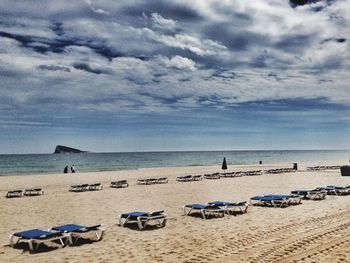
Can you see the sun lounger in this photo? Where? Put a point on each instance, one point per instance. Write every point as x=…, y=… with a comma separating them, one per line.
x=252, y=173
x=148, y=181
x=334, y=190
x=143, y=218
x=119, y=184
x=14, y=193
x=79, y=231
x=162, y=180
x=142, y=181
x=186, y=178
x=271, y=200
x=232, y=208
x=292, y=198
x=340, y=190
x=197, y=178
x=33, y=192
x=95, y=187
x=35, y=237
x=310, y=194
x=212, y=176
x=79, y=188
x=204, y=210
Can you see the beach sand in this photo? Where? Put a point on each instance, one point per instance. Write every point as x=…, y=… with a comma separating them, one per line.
x=315, y=231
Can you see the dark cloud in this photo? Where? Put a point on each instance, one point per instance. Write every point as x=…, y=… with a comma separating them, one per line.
x=294, y=43
x=234, y=38
x=88, y=68
x=58, y=28
x=338, y=40
x=54, y=68
x=169, y=9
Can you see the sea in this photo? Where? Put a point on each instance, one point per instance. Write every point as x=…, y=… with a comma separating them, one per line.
x=26, y=164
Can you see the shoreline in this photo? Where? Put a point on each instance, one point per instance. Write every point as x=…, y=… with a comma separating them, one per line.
x=266, y=165
x=261, y=234
x=102, y=162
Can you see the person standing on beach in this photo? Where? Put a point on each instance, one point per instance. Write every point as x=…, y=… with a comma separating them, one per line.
x=72, y=169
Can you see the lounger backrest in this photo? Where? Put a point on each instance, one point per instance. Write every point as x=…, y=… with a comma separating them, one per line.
x=157, y=213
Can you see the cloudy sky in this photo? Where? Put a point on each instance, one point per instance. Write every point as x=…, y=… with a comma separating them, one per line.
x=146, y=75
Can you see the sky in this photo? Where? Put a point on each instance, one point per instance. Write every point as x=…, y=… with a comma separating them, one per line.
x=172, y=75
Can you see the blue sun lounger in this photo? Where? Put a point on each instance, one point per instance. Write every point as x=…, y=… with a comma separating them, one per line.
x=143, y=218
x=204, y=210
x=35, y=237
x=271, y=200
x=310, y=194
x=293, y=199
x=232, y=207
x=340, y=190
x=79, y=231
x=334, y=190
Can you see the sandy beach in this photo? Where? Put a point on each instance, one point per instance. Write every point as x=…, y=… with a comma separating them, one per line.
x=315, y=231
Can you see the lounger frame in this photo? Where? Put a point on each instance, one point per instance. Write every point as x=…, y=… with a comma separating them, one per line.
x=205, y=212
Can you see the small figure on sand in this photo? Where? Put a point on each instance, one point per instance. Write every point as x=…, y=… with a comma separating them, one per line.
x=65, y=170
x=72, y=169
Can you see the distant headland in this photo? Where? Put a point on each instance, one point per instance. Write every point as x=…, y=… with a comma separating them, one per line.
x=65, y=149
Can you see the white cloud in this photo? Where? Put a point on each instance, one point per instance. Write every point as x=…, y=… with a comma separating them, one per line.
x=162, y=23
x=178, y=62
x=96, y=10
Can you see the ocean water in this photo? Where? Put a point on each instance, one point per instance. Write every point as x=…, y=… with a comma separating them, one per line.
x=90, y=162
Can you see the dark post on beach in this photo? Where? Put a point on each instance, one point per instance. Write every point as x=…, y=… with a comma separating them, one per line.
x=295, y=166
x=224, y=165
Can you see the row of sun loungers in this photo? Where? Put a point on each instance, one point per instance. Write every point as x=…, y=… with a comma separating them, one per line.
x=232, y=174
x=189, y=178
x=329, y=167
x=25, y=192
x=69, y=233
x=149, y=181
x=85, y=187
x=295, y=196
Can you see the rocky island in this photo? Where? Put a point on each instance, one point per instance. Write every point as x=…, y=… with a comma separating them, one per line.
x=65, y=149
